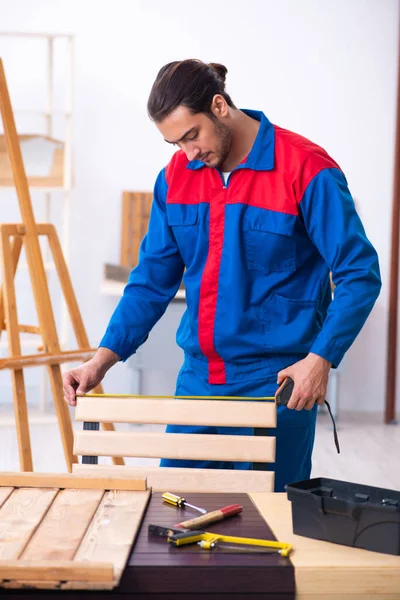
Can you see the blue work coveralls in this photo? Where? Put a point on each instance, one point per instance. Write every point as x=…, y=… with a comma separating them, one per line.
x=255, y=254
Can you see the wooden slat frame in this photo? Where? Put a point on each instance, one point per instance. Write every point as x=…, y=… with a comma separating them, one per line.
x=184, y=412
x=185, y=481
x=241, y=448
x=224, y=412
x=70, y=539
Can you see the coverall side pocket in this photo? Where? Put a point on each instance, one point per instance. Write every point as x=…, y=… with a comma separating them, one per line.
x=290, y=325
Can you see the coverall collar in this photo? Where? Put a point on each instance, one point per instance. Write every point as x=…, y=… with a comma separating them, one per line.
x=261, y=156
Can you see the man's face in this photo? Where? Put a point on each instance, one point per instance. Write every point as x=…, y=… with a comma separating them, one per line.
x=200, y=136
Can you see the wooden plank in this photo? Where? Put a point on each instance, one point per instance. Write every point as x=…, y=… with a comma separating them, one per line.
x=46, y=358
x=137, y=227
x=14, y=345
x=21, y=417
x=342, y=570
x=187, y=481
x=29, y=329
x=15, y=584
x=136, y=208
x=64, y=526
x=56, y=570
x=5, y=492
x=70, y=481
x=241, y=448
x=19, y=518
x=184, y=412
x=53, y=584
x=126, y=230
x=349, y=580
x=16, y=248
x=114, y=529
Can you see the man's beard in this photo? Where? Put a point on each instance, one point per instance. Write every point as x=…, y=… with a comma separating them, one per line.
x=224, y=137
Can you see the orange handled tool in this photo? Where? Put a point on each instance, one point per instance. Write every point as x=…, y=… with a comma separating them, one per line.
x=212, y=517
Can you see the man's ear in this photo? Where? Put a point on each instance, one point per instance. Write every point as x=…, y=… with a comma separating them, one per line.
x=219, y=106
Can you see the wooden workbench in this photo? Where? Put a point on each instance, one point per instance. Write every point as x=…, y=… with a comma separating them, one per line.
x=325, y=571
x=316, y=570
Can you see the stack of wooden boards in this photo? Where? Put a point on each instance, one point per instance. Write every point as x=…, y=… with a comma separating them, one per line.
x=67, y=532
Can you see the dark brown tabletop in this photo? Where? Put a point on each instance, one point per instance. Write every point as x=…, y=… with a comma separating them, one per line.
x=157, y=570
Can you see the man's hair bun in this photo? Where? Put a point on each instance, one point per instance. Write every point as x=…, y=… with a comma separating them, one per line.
x=220, y=69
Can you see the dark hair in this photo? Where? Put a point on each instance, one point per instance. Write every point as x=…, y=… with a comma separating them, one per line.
x=189, y=83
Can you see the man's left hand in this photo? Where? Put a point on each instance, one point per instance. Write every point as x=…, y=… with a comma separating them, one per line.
x=310, y=377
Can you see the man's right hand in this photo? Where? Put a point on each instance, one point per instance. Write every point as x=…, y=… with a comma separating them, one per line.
x=84, y=378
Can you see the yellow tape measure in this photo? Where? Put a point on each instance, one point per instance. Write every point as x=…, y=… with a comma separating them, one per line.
x=257, y=398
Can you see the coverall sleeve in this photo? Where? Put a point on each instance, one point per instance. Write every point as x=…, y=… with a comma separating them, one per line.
x=152, y=284
x=335, y=228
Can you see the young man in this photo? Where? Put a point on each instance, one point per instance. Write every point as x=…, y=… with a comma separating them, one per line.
x=255, y=218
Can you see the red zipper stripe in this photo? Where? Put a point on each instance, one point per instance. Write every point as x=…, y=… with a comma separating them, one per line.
x=209, y=288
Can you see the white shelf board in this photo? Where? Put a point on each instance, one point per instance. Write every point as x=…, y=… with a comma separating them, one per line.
x=42, y=113
x=36, y=188
x=34, y=34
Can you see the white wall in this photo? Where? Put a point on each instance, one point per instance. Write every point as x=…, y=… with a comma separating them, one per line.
x=326, y=69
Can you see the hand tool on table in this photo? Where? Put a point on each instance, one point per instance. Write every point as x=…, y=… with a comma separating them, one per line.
x=212, y=517
x=180, y=502
x=283, y=396
x=162, y=531
x=208, y=541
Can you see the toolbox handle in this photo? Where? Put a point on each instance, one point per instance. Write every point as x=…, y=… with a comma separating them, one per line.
x=334, y=506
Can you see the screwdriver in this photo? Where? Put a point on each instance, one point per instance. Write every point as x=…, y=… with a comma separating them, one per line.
x=180, y=502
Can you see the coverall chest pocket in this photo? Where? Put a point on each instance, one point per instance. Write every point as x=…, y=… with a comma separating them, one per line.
x=269, y=245
x=184, y=221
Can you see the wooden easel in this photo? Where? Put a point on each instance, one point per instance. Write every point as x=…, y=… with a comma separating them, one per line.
x=27, y=234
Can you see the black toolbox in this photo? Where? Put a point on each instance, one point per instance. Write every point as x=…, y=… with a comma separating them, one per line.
x=346, y=513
